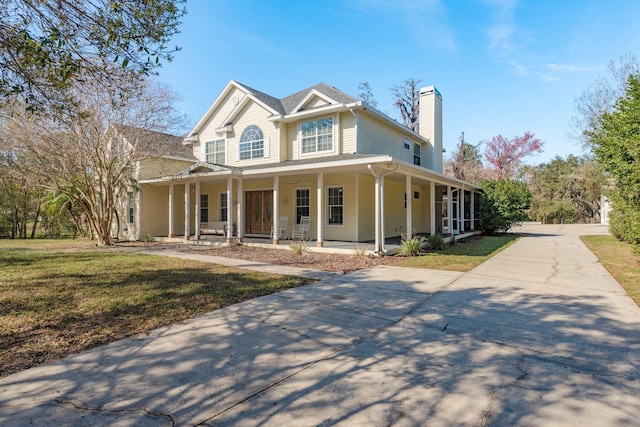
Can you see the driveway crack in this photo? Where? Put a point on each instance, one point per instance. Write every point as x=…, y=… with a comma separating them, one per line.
x=105, y=410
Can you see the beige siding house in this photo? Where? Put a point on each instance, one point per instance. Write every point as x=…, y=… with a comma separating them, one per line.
x=356, y=173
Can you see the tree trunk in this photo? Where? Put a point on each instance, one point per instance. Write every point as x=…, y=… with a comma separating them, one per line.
x=35, y=221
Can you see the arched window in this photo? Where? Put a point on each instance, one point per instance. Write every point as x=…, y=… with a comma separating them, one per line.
x=251, y=143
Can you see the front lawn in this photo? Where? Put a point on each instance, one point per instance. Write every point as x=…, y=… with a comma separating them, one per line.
x=462, y=256
x=619, y=260
x=62, y=297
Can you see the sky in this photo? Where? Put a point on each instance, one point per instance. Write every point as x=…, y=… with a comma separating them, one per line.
x=502, y=66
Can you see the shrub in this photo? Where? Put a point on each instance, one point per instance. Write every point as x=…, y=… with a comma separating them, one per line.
x=435, y=242
x=299, y=247
x=148, y=238
x=411, y=247
x=504, y=204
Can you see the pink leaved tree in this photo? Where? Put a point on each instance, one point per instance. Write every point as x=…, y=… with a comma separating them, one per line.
x=505, y=156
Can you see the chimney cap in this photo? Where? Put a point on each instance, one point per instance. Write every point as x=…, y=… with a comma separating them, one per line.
x=427, y=90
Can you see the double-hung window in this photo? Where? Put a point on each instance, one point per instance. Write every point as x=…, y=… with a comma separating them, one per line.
x=416, y=154
x=251, y=143
x=204, y=208
x=317, y=135
x=335, y=205
x=223, y=207
x=215, y=152
x=302, y=203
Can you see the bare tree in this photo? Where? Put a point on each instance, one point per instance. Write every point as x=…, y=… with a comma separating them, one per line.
x=89, y=154
x=366, y=94
x=406, y=98
x=601, y=96
x=466, y=163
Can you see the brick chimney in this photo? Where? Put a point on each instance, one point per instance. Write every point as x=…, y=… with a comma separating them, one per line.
x=431, y=124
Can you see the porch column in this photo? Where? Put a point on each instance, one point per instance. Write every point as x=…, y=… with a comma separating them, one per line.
x=240, y=213
x=379, y=245
x=320, y=219
x=432, y=207
x=449, y=210
x=409, y=196
x=472, y=210
x=382, y=229
x=187, y=214
x=461, y=210
x=197, y=207
x=229, y=210
x=276, y=211
x=170, y=211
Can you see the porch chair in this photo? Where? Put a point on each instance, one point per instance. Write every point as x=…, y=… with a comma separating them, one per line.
x=282, y=228
x=301, y=231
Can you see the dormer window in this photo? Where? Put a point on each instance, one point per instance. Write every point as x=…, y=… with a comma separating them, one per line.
x=251, y=143
x=317, y=135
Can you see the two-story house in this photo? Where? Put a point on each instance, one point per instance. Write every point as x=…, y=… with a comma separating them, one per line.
x=356, y=173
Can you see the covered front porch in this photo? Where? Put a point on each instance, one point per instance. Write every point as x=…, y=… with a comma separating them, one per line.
x=350, y=203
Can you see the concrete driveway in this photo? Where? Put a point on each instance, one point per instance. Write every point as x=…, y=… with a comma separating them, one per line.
x=538, y=335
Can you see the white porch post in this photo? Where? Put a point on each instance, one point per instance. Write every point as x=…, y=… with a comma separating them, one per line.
x=187, y=214
x=170, y=211
x=461, y=210
x=320, y=218
x=382, y=233
x=197, y=208
x=409, y=197
x=449, y=210
x=276, y=210
x=472, y=210
x=240, y=213
x=377, y=214
x=229, y=210
x=432, y=207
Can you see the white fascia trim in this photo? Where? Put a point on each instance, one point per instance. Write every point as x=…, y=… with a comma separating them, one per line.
x=205, y=117
x=420, y=172
x=319, y=165
x=312, y=93
x=176, y=179
x=248, y=97
x=308, y=113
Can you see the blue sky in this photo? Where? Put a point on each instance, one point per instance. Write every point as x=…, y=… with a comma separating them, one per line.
x=502, y=66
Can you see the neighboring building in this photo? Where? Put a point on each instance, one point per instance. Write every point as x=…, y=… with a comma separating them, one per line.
x=359, y=175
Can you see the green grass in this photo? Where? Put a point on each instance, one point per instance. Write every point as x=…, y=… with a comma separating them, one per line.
x=619, y=260
x=61, y=297
x=462, y=256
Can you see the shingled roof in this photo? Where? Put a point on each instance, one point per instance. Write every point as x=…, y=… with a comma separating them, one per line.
x=287, y=104
x=156, y=144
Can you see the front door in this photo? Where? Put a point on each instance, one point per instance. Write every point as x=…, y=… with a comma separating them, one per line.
x=259, y=212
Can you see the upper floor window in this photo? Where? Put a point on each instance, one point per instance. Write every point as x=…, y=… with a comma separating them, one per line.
x=405, y=142
x=416, y=154
x=317, y=135
x=215, y=151
x=251, y=143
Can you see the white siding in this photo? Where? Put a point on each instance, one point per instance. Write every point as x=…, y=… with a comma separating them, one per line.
x=252, y=114
x=376, y=137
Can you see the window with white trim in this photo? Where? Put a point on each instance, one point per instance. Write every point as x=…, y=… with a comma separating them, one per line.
x=215, y=152
x=335, y=205
x=130, y=206
x=317, y=135
x=302, y=203
x=251, y=143
x=223, y=207
x=406, y=144
x=416, y=154
x=204, y=208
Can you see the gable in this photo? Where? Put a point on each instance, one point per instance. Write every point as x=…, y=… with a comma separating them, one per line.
x=315, y=102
